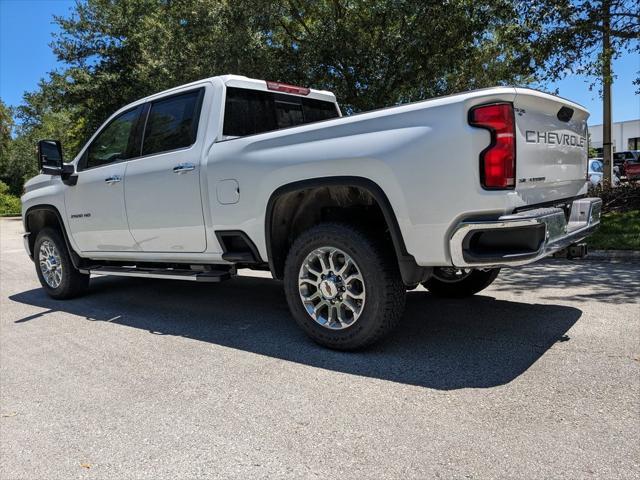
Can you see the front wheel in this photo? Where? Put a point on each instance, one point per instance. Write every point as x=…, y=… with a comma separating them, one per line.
x=451, y=282
x=343, y=286
x=54, y=267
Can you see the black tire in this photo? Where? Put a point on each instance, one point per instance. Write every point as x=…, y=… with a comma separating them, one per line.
x=385, y=292
x=472, y=283
x=72, y=282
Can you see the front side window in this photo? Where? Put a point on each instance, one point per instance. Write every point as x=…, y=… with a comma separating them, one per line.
x=113, y=142
x=172, y=123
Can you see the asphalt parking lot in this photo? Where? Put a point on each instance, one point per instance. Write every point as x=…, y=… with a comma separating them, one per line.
x=538, y=376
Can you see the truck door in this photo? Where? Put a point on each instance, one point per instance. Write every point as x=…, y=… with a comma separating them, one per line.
x=95, y=204
x=162, y=187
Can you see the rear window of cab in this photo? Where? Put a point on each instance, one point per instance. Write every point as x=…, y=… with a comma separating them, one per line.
x=248, y=112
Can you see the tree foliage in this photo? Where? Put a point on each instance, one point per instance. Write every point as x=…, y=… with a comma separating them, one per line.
x=567, y=34
x=38, y=119
x=371, y=53
x=377, y=53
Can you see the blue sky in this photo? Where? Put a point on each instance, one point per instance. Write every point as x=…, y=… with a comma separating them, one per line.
x=25, y=57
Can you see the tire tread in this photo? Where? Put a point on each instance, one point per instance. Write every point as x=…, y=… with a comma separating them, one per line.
x=74, y=283
x=359, y=239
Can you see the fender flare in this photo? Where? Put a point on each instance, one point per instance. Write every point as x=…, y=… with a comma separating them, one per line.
x=411, y=272
x=75, y=258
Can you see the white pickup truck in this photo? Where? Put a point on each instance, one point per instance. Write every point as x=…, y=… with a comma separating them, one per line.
x=230, y=172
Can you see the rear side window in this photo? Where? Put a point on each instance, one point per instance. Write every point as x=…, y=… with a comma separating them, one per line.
x=172, y=123
x=248, y=112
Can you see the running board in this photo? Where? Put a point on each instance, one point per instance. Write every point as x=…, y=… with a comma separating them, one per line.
x=211, y=276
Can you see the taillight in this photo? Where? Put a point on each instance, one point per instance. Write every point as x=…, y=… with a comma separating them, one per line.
x=498, y=160
x=286, y=88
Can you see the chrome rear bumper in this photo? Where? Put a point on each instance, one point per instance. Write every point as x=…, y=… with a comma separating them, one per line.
x=524, y=237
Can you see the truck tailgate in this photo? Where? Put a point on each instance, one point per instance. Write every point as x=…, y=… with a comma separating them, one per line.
x=551, y=147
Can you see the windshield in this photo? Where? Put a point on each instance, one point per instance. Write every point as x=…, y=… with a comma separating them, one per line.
x=596, y=166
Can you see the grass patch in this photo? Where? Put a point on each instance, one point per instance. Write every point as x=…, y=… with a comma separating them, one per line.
x=618, y=231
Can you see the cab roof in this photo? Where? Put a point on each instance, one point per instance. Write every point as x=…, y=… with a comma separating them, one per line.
x=240, y=81
x=255, y=84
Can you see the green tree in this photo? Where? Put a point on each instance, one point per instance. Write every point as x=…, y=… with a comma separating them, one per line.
x=9, y=204
x=121, y=50
x=584, y=37
x=372, y=53
x=38, y=120
x=6, y=145
x=376, y=53
x=568, y=35
x=6, y=127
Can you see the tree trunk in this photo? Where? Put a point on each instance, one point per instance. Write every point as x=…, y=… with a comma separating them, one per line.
x=607, y=147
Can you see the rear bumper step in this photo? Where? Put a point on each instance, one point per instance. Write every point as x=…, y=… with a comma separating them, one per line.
x=211, y=276
x=524, y=237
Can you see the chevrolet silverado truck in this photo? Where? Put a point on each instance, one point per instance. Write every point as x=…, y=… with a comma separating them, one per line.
x=349, y=211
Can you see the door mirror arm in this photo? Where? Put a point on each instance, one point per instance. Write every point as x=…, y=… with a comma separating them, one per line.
x=68, y=174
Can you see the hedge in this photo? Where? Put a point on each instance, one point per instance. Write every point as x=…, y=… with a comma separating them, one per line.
x=623, y=198
x=9, y=205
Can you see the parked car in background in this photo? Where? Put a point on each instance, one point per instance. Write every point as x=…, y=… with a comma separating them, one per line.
x=619, y=159
x=596, y=171
x=632, y=170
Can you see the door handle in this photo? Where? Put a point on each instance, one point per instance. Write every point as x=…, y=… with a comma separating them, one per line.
x=183, y=167
x=113, y=179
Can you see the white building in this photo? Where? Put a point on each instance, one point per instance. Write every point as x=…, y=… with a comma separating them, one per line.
x=624, y=136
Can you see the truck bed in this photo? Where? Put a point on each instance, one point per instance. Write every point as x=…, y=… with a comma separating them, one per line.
x=424, y=156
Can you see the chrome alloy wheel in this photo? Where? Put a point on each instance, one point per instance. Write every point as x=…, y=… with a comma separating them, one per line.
x=50, y=264
x=451, y=274
x=331, y=288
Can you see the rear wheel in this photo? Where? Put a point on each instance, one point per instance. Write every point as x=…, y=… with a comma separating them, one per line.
x=454, y=282
x=54, y=267
x=343, y=287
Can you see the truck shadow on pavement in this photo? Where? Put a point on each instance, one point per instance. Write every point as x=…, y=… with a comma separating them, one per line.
x=478, y=342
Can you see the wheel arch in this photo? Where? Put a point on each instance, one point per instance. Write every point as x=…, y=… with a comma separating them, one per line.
x=42, y=216
x=411, y=272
